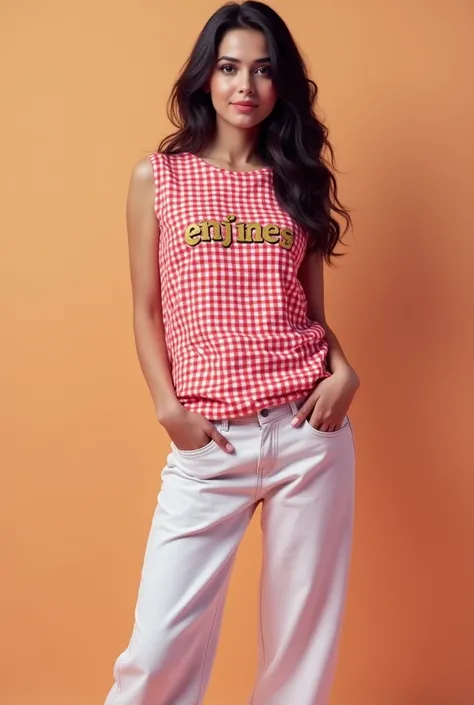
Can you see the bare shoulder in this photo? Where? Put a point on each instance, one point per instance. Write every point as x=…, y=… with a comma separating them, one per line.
x=141, y=217
x=141, y=189
x=142, y=172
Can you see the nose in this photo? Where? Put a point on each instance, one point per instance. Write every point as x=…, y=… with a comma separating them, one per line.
x=246, y=82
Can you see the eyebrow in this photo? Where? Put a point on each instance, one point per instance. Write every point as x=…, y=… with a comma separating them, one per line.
x=264, y=59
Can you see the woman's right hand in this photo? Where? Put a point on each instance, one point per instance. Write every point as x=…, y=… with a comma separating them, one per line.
x=191, y=431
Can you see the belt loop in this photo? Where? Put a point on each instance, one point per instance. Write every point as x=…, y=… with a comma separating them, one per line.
x=294, y=407
x=224, y=425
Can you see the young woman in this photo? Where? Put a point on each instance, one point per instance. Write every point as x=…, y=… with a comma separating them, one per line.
x=229, y=225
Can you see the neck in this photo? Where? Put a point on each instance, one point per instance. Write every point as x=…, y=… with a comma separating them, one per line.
x=233, y=146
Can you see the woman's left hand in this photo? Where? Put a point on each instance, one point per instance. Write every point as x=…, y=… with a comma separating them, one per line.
x=329, y=402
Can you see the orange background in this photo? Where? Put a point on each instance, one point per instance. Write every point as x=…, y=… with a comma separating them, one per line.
x=83, y=99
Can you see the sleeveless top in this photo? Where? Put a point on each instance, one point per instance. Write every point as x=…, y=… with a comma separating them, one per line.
x=234, y=312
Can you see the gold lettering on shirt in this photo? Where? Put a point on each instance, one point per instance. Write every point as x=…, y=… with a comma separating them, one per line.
x=229, y=231
x=193, y=234
x=206, y=226
x=271, y=233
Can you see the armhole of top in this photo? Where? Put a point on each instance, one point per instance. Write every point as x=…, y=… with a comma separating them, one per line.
x=156, y=162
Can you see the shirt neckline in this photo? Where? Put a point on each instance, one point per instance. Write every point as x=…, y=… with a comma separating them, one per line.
x=229, y=171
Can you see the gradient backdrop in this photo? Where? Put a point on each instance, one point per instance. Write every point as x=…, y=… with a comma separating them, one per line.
x=84, y=96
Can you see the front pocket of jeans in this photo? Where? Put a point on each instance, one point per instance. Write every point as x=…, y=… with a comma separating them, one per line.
x=199, y=451
x=327, y=434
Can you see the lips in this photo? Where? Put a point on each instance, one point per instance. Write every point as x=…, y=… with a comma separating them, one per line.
x=246, y=104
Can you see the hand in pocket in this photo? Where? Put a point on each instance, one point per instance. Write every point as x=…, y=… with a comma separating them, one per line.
x=190, y=431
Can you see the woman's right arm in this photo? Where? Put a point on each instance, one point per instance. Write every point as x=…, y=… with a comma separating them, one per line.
x=143, y=237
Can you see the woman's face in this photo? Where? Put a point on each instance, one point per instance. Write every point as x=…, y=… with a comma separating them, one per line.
x=242, y=73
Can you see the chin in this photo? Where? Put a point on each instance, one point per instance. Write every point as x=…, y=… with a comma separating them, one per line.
x=244, y=122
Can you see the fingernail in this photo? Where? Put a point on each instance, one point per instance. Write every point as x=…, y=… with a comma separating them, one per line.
x=295, y=421
x=229, y=447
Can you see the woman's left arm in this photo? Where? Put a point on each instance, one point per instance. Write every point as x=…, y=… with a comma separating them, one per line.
x=331, y=398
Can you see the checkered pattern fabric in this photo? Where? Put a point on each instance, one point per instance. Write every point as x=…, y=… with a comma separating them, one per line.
x=234, y=311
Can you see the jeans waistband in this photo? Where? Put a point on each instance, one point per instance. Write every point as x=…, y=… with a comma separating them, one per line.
x=265, y=416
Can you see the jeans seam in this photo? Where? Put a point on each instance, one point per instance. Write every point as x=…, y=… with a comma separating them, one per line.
x=211, y=631
x=262, y=640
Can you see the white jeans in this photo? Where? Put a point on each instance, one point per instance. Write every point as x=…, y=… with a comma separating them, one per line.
x=305, y=481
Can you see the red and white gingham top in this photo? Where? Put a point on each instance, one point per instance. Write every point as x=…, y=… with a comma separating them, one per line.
x=234, y=311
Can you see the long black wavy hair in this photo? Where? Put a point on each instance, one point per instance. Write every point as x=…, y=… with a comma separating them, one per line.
x=291, y=140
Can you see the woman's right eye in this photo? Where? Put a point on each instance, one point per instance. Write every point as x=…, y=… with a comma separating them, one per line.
x=227, y=66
